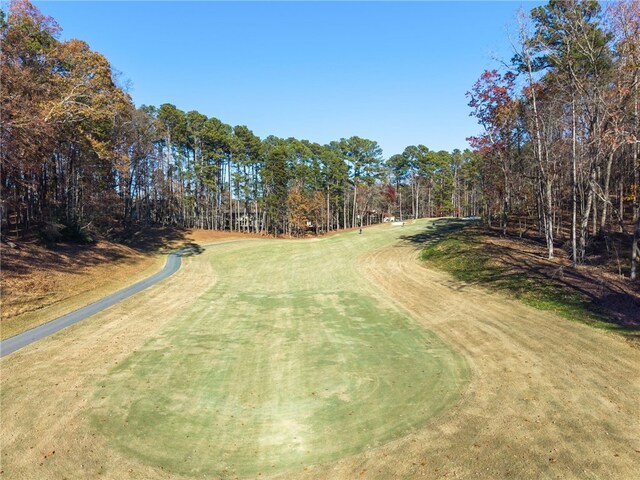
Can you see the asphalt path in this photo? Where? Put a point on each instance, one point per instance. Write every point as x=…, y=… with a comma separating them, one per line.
x=174, y=260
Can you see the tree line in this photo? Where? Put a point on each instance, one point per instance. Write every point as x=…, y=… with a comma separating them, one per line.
x=560, y=141
x=558, y=152
x=79, y=157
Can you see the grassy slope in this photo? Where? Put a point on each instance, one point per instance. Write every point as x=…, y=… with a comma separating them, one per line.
x=66, y=285
x=285, y=362
x=464, y=254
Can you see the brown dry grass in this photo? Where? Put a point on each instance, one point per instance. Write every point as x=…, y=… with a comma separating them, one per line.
x=40, y=284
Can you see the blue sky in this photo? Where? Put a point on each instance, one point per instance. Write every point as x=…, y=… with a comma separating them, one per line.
x=393, y=72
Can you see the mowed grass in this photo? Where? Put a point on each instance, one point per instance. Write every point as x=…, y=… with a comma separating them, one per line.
x=291, y=359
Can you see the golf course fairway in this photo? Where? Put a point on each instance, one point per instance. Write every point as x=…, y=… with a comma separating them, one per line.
x=290, y=359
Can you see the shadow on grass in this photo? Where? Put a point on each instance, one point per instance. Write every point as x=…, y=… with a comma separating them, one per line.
x=73, y=258
x=190, y=249
x=461, y=248
x=154, y=239
x=435, y=231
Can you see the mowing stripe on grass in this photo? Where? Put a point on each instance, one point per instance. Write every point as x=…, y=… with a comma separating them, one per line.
x=290, y=359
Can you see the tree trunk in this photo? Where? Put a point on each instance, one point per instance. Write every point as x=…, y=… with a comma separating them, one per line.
x=635, y=165
x=574, y=186
x=355, y=196
x=584, y=226
x=549, y=226
x=635, y=246
x=605, y=204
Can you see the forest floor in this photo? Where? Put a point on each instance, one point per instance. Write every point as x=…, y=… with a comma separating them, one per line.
x=339, y=357
x=42, y=283
x=592, y=293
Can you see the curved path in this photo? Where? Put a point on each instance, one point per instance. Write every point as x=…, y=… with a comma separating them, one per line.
x=174, y=260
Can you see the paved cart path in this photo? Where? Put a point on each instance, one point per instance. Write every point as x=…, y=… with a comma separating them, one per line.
x=174, y=260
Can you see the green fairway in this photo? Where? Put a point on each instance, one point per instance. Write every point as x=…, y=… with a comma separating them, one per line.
x=290, y=359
